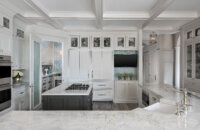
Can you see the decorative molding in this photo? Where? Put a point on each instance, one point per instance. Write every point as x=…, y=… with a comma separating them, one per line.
x=12, y=10
x=157, y=9
x=177, y=15
x=73, y=15
x=98, y=10
x=43, y=12
x=125, y=16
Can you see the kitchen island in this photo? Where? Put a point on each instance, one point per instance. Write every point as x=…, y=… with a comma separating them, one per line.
x=137, y=119
x=68, y=97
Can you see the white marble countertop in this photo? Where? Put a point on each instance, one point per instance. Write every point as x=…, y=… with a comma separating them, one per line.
x=53, y=73
x=137, y=119
x=60, y=90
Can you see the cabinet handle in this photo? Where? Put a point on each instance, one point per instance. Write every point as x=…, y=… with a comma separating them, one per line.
x=154, y=99
x=21, y=92
x=101, y=94
x=101, y=85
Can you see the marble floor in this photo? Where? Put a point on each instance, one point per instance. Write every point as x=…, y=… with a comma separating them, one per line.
x=114, y=106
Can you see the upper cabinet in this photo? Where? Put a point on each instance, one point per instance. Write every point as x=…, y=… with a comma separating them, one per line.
x=103, y=41
x=192, y=59
x=74, y=42
x=107, y=42
x=96, y=42
x=5, y=34
x=125, y=43
x=5, y=44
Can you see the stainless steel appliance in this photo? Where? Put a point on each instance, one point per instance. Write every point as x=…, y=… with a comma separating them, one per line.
x=5, y=82
x=78, y=86
x=145, y=98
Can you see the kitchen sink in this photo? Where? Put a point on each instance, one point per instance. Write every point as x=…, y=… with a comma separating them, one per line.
x=162, y=108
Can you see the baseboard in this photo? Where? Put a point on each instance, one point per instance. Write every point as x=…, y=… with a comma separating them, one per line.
x=124, y=101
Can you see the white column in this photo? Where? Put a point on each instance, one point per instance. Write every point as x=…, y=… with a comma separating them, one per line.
x=177, y=64
x=177, y=68
x=140, y=65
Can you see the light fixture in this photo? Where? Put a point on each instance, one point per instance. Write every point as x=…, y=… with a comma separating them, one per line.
x=153, y=38
x=60, y=52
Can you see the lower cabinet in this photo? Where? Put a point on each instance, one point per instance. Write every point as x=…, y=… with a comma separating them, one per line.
x=125, y=92
x=20, y=97
x=67, y=102
x=153, y=98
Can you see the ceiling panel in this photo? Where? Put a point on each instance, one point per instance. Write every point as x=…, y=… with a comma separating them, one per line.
x=20, y=4
x=77, y=24
x=167, y=24
x=128, y=5
x=123, y=22
x=67, y=5
x=184, y=5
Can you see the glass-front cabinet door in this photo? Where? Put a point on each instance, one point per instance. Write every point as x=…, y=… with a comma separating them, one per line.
x=189, y=61
x=197, y=61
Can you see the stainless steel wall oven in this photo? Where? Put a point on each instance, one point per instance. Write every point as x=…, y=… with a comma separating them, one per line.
x=5, y=82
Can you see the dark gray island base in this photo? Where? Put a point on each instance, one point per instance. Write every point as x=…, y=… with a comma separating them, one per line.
x=67, y=102
x=60, y=99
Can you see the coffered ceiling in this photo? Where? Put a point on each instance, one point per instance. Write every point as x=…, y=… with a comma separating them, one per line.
x=165, y=15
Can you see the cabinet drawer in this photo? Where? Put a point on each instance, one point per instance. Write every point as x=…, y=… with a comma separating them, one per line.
x=102, y=95
x=103, y=86
x=45, y=80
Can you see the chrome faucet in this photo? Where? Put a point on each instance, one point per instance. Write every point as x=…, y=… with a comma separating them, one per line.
x=185, y=104
x=178, y=113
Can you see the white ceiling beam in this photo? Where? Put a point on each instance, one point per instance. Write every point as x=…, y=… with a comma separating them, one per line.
x=34, y=5
x=125, y=16
x=98, y=10
x=157, y=9
x=73, y=15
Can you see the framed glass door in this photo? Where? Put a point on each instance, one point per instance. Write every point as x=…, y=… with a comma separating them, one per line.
x=197, y=61
x=35, y=72
x=189, y=61
x=36, y=76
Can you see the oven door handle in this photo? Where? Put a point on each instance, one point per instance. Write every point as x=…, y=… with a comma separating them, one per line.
x=5, y=87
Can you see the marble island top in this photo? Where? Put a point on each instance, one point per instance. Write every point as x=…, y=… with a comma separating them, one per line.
x=60, y=90
x=137, y=119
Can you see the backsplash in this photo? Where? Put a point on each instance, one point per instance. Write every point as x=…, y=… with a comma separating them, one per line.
x=125, y=73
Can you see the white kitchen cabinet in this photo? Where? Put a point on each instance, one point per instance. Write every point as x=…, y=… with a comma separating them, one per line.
x=20, y=97
x=151, y=67
x=85, y=64
x=74, y=64
x=191, y=60
x=18, y=53
x=96, y=65
x=125, y=92
x=107, y=64
x=102, y=64
x=103, y=91
x=5, y=44
x=158, y=65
